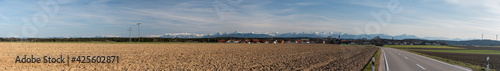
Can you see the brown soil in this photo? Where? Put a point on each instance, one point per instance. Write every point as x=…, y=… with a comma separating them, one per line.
x=191, y=56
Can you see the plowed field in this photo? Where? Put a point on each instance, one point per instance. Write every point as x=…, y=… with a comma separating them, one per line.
x=190, y=56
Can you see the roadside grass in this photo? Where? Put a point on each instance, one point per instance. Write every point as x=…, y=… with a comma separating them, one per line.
x=377, y=55
x=465, y=51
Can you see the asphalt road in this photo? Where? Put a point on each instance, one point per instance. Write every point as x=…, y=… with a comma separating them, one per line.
x=399, y=60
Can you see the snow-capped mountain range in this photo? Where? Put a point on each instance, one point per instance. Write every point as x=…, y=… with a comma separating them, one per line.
x=271, y=34
x=297, y=34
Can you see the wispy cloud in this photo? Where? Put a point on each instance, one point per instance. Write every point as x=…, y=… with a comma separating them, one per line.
x=429, y=18
x=304, y=4
x=489, y=8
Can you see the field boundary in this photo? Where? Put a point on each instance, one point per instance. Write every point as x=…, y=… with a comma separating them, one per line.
x=367, y=65
x=385, y=60
x=140, y=57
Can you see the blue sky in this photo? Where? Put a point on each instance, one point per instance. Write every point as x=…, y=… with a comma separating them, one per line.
x=423, y=18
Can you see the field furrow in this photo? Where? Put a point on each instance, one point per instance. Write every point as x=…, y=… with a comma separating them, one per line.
x=191, y=56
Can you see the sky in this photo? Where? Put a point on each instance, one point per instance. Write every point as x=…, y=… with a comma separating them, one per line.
x=424, y=18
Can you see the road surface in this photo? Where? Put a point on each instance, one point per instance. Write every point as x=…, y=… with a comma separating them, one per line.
x=399, y=60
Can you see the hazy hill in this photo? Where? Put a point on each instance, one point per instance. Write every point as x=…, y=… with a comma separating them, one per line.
x=475, y=42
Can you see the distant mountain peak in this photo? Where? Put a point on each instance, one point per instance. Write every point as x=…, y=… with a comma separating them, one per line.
x=300, y=34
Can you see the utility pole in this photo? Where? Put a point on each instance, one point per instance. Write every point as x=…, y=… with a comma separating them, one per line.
x=497, y=37
x=373, y=63
x=482, y=36
x=139, y=30
x=488, y=61
x=129, y=34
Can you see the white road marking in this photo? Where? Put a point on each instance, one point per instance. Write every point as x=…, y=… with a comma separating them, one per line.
x=386, y=64
x=420, y=66
x=406, y=58
x=441, y=62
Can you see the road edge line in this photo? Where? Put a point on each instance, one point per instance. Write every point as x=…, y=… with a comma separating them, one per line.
x=465, y=69
x=385, y=58
x=420, y=66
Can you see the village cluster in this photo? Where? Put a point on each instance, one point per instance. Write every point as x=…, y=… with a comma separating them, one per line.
x=363, y=41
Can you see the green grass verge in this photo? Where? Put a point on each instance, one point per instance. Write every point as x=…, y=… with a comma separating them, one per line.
x=377, y=62
x=466, y=51
x=421, y=46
